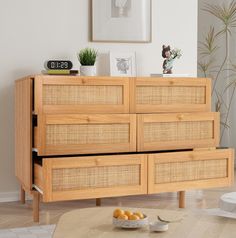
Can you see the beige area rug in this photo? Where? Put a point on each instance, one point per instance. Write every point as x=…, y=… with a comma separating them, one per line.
x=28, y=232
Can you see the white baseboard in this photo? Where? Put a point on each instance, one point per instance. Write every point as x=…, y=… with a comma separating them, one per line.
x=11, y=196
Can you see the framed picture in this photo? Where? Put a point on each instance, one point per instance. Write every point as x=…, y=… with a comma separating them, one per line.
x=122, y=64
x=121, y=20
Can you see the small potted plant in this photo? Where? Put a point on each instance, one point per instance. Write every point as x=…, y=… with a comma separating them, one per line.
x=87, y=58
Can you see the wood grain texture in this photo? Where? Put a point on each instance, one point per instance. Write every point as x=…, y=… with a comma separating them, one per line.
x=132, y=95
x=23, y=132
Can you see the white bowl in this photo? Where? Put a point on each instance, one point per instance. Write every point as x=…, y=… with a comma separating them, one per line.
x=158, y=226
x=130, y=224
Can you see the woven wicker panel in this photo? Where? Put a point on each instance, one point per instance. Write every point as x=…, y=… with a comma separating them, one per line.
x=170, y=95
x=178, y=131
x=87, y=134
x=82, y=94
x=95, y=177
x=190, y=170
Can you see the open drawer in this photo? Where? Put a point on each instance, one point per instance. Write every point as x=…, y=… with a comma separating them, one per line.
x=152, y=95
x=170, y=172
x=60, y=134
x=77, y=94
x=177, y=131
x=91, y=177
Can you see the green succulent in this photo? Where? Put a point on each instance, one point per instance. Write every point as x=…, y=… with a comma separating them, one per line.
x=87, y=56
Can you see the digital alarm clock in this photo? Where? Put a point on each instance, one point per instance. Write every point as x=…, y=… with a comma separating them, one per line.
x=59, y=64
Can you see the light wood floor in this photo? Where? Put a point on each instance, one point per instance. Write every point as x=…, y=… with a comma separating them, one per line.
x=14, y=214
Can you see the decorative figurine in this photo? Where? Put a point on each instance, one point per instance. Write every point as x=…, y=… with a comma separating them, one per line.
x=169, y=56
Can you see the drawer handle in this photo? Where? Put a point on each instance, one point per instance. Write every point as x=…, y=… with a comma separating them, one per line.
x=83, y=81
x=180, y=117
x=191, y=156
x=98, y=161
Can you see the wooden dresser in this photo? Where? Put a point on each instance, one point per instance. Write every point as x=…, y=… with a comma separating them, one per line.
x=95, y=137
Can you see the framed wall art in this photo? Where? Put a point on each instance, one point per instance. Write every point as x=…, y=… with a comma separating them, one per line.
x=122, y=64
x=121, y=20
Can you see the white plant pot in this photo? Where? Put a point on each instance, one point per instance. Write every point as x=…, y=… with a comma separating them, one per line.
x=88, y=70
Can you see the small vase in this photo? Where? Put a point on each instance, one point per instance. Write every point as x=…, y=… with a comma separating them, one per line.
x=88, y=70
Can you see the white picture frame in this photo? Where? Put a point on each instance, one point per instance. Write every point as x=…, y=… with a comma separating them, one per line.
x=122, y=64
x=121, y=20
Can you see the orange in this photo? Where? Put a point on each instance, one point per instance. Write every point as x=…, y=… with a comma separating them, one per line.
x=128, y=213
x=118, y=212
x=134, y=217
x=123, y=217
x=139, y=214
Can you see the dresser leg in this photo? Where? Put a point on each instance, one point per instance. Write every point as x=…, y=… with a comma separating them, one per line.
x=22, y=195
x=36, y=206
x=98, y=202
x=182, y=199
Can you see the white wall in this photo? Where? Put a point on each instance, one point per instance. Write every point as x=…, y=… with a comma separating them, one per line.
x=205, y=21
x=232, y=119
x=33, y=31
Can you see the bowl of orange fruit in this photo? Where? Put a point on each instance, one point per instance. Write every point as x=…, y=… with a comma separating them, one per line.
x=129, y=219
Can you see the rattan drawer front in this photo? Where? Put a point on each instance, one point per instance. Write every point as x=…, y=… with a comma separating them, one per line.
x=59, y=94
x=177, y=131
x=190, y=171
x=169, y=172
x=82, y=94
x=85, y=134
x=91, y=177
x=95, y=177
x=171, y=95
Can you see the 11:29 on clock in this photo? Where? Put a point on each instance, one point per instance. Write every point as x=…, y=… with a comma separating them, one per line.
x=59, y=64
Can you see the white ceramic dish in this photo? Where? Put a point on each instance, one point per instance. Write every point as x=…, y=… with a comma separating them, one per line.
x=130, y=224
x=158, y=226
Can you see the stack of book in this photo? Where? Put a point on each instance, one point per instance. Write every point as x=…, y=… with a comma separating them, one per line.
x=59, y=67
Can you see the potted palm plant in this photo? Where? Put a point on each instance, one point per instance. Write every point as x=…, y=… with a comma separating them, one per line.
x=87, y=58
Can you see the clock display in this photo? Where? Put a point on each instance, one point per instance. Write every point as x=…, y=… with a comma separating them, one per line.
x=59, y=64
